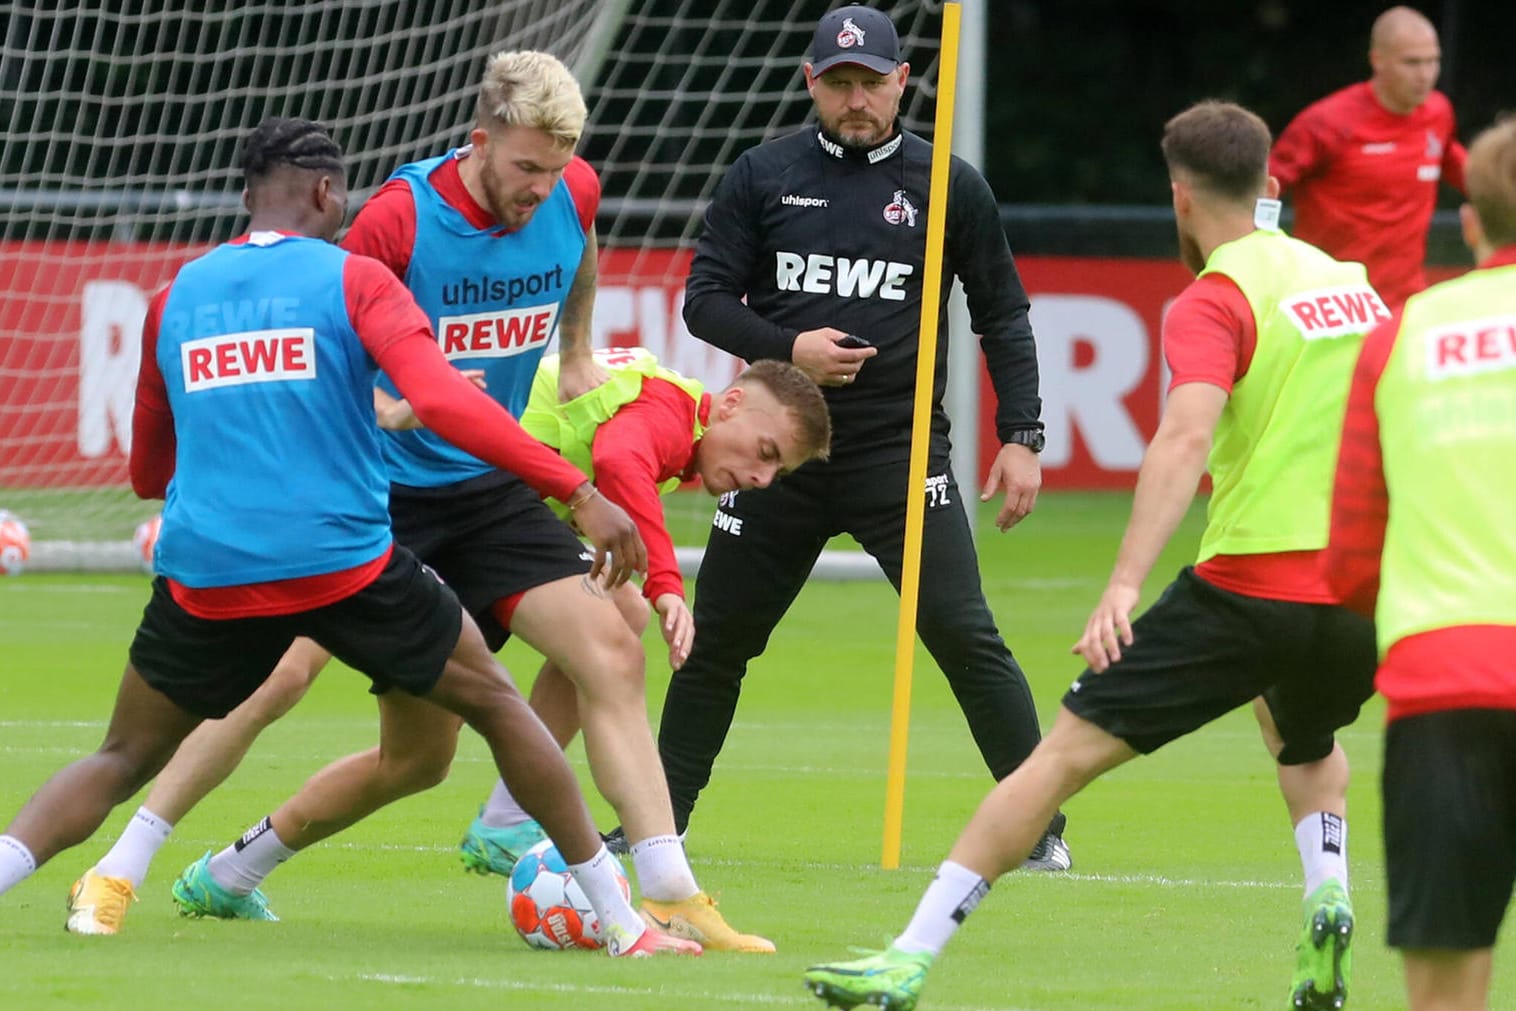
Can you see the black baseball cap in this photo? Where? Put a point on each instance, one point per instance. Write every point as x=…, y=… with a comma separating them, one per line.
x=855, y=34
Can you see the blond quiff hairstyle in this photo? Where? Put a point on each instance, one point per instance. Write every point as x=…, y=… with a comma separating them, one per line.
x=535, y=90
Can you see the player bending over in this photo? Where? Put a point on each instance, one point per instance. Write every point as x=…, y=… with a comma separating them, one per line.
x=645, y=429
x=291, y=537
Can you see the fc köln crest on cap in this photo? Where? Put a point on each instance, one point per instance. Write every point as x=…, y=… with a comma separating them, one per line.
x=850, y=35
x=900, y=210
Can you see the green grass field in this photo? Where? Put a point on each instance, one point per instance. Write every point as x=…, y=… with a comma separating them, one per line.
x=1185, y=892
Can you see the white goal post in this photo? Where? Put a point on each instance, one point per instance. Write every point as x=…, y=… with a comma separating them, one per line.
x=120, y=161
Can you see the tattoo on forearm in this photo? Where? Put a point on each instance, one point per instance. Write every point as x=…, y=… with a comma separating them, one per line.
x=574, y=329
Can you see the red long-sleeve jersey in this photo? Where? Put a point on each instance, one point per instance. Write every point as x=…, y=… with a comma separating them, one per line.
x=644, y=444
x=1363, y=181
x=397, y=335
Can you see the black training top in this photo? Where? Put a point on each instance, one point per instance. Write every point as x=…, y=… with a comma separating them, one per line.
x=813, y=235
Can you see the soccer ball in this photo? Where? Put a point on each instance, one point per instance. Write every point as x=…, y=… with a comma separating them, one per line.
x=144, y=539
x=548, y=908
x=15, y=544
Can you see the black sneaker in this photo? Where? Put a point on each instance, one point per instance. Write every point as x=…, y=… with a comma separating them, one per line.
x=615, y=841
x=1051, y=853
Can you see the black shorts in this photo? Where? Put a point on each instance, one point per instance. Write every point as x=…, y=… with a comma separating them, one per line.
x=1202, y=651
x=489, y=538
x=1449, y=787
x=399, y=630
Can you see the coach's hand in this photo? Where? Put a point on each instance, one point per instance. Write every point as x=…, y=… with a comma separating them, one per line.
x=1109, y=627
x=613, y=534
x=677, y=625
x=1017, y=471
x=818, y=355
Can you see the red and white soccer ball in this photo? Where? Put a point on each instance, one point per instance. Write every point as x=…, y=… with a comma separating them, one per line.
x=548, y=908
x=144, y=539
x=15, y=544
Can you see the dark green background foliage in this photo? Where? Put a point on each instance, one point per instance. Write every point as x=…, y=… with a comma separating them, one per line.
x=1078, y=92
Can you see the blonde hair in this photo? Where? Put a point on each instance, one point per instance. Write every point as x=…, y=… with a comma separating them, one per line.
x=532, y=89
x=1490, y=177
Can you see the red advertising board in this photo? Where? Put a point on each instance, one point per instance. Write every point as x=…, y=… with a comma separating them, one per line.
x=71, y=314
x=70, y=324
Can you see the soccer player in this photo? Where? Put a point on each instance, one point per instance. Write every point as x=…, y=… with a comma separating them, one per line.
x=1424, y=488
x=1261, y=347
x=255, y=419
x=496, y=242
x=1362, y=164
x=645, y=431
x=810, y=240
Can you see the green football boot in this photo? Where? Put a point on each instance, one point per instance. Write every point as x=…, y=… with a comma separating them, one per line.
x=1324, y=956
x=890, y=979
x=197, y=894
x=486, y=850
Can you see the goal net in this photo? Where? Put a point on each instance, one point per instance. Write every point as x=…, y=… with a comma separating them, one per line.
x=120, y=163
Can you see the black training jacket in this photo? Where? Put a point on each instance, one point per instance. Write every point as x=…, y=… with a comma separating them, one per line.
x=813, y=235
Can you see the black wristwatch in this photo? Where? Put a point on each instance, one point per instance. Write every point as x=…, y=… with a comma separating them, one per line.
x=1031, y=438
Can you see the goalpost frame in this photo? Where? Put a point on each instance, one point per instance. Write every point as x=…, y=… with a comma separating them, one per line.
x=136, y=202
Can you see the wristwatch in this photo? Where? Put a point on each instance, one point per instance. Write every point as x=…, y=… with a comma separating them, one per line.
x=1031, y=438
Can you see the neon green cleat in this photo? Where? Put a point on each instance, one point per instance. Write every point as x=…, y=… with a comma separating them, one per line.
x=197, y=894
x=486, y=850
x=889, y=979
x=1324, y=954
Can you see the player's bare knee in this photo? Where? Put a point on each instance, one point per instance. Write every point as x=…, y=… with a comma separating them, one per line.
x=487, y=702
x=607, y=662
x=413, y=769
x=127, y=765
x=424, y=773
x=612, y=678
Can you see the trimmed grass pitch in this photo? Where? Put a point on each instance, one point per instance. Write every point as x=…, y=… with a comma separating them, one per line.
x=1185, y=890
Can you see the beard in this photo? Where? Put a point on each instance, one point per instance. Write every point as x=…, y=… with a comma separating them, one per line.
x=1189, y=253
x=504, y=205
x=858, y=130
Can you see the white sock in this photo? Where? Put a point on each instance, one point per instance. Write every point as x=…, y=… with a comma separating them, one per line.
x=949, y=899
x=16, y=862
x=663, y=870
x=597, y=877
x=244, y=864
x=144, y=835
x=1322, y=838
x=501, y=810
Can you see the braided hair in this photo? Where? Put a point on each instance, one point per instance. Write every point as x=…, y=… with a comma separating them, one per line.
x=297, y=143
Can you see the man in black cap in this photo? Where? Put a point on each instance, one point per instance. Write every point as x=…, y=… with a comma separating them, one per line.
x=823, y=233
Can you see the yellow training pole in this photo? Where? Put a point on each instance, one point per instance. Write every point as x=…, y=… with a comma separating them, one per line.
x=921, y=430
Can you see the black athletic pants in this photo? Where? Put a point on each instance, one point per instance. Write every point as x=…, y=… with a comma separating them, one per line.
x=760, y=552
